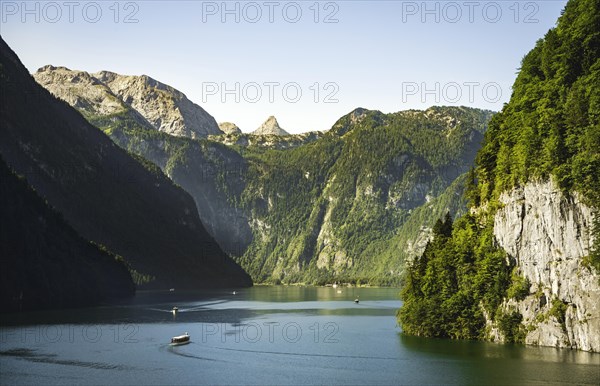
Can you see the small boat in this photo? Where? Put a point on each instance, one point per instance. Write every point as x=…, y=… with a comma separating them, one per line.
x=180, y=340
x=175, y=309
x=356, y=300
x=171, y=289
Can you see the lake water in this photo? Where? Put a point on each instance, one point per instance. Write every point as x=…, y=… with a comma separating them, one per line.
x=264, y=335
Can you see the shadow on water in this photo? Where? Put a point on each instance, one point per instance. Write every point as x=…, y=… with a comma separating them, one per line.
x=33, y=356
x=145, y=307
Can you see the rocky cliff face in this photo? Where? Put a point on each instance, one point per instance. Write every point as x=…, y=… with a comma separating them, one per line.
x=154, y=104
x=549, y=236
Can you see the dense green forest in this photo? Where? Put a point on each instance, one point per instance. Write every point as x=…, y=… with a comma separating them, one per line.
x=356, y=187
x=549, y=129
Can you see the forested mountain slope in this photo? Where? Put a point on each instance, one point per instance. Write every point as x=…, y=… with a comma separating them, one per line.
x=317, y=207
x=524, y=264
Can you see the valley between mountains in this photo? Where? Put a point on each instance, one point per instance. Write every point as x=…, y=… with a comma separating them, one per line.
x=488, y=221
x=346, y=205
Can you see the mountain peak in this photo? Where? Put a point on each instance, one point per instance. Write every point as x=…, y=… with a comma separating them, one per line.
x=49, y=67
x=270, y=127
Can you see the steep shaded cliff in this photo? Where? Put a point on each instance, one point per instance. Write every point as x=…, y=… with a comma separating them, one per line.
x=45, y=263
x=106, y=194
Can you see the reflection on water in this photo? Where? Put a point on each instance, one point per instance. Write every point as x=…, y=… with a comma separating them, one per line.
x=263, y=335
x=496, y=363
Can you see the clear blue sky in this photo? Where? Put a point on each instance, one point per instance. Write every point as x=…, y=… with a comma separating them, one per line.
x=373, y=54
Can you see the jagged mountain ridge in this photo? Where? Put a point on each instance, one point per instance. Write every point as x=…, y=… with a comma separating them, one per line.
x=157, y=105
x=106, y=194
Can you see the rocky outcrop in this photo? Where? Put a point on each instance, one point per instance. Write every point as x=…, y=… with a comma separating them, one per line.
x=79, y=89
x=162, y=107
x=229, y=128
x=270, y=127
x=549, y=236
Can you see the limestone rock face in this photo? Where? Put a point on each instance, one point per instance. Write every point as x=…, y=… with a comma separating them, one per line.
x=79, y=89
x=229, y=128
x=270, y=127
x=549, y=234
x=104, y=93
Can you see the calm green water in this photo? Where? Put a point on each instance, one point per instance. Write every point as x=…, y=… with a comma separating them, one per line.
x=264, y=335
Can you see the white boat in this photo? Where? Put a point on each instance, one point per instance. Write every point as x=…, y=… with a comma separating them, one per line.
x=180, y=340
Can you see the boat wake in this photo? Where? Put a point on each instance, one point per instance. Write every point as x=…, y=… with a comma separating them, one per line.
x=305, y=354
x=178, y=351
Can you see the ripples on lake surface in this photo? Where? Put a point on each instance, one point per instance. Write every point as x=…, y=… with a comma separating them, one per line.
x=263, y=335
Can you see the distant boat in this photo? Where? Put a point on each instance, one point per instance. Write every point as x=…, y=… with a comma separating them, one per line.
x=175, y=309
x=180, y=340
x=172, y=290
x=356, y=300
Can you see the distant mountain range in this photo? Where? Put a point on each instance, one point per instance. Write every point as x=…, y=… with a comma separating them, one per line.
x=150, y=103
x=348, y=204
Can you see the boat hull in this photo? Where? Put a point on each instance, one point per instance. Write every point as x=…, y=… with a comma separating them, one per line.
x=179, y=343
